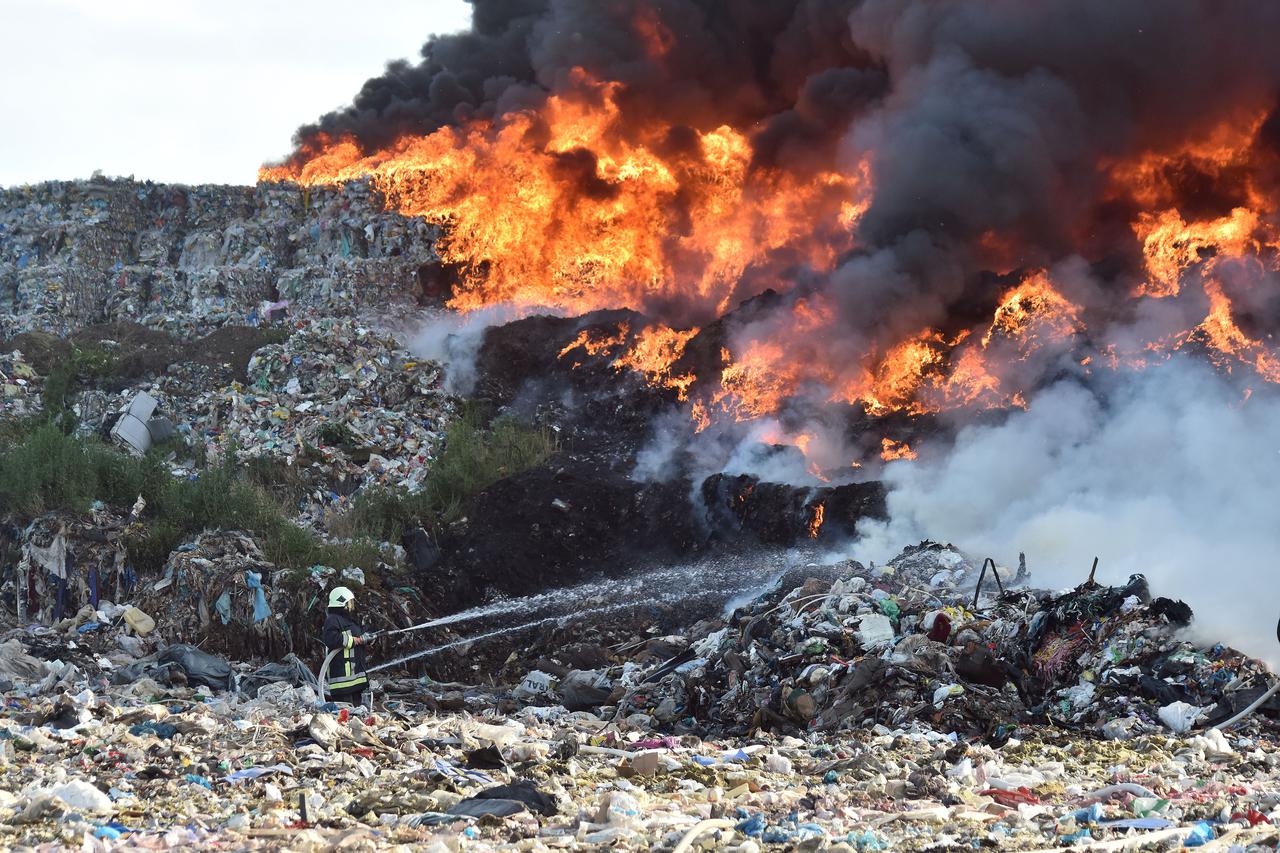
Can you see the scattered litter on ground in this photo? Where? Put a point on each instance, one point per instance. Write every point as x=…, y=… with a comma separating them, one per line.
x=1029, y=720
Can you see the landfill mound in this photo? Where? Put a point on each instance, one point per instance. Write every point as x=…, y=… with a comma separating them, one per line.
x=261, y=327
x=193, y=259
x=931, y=702
x=209, y=420
x=334, y=396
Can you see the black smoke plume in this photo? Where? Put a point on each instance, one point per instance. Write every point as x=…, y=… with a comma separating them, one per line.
x=981, y=117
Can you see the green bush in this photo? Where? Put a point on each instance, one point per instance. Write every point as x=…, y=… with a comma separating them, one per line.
x=473, y=458
x=56, y=397
x=46, y=470
x=66, y=376
x=42, y=469
x=93, y=362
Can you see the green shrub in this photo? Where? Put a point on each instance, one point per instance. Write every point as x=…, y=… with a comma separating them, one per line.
x=93, y=363
x=473, y=458
x=337, y=434
x=56, y=397
x=46, y=470
x=43, y=468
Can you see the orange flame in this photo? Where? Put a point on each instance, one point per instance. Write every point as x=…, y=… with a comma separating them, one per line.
x=815, y=523
x=651, y=353
x=891, y=450
x=927, y=372
x=1180, y=250
x=572, y=207
x=1032, y=312
x=655, y=350
x=595, y=343
x=756, y=383
x=1226, y=337
x=1171, y=246
x=577, y=206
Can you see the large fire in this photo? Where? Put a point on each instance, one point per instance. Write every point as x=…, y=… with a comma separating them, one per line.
x=651, y=352
x=576, y=206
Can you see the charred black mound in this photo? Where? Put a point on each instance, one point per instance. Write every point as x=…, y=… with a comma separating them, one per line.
x=582, y=514
x=558, y=524
x=783, y=515
x=532, y=367
x=529, y=350
x=579, y=518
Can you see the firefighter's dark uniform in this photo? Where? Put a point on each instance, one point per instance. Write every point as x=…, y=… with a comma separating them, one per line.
x=347, y=678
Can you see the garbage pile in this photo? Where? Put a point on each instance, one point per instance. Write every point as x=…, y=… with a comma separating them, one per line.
x=22, y=387
x=180, y=749
x=218, y=591
x=914, y=641
x=62, y=562
x=69, y=578
x=190, y=259
x=336, y=398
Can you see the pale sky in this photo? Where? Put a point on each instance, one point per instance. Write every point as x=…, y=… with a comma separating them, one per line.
x=187, y=91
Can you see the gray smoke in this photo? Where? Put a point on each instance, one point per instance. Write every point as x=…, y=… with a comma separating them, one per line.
x=454, y=340
x=1171, y=473
x=998, y=117
x=786, y=66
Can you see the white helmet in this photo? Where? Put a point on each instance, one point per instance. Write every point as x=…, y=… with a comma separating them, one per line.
x=341, y=597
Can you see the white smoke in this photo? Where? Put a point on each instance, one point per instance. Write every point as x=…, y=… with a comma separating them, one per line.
x=453, y=339
x=1171, y=473
x=765, y=448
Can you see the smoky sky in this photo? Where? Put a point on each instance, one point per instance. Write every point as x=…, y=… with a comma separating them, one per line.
x=977, y=117
x=999, y=115
x=745, y=63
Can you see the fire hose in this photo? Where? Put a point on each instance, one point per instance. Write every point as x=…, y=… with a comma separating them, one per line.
x=1257, y=703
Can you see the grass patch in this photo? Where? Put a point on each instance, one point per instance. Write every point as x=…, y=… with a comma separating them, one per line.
x=49, y=470
x=93, y=362
x=474, y=457
x=43, y=469
x=55, y=397
x=66, y=377
x=287, y=483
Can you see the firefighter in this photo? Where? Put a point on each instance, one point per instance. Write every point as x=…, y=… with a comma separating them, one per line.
x=347, y=680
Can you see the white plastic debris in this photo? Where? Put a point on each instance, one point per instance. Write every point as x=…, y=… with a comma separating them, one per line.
x=82, y=796
x=324, y=730
x=875, y=629
x=536, y=683
x=1081, y=695
x=945, y=692
x=1179, y=717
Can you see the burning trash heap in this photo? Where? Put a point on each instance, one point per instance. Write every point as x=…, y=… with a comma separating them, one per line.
x=718, y=280
x=844, y=707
